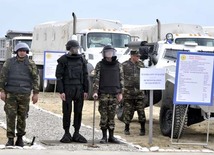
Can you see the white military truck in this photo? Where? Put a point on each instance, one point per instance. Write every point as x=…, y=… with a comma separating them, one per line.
x=157, y=32
x=92, y=34
x=7, y=44
x=164, y=55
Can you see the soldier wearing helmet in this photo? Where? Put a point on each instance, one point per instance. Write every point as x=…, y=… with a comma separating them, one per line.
x=108, y=88
x=72, y=84
x=18, y=78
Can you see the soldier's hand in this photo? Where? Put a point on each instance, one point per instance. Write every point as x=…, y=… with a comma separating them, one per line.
x=85, y=96
x=95, y=96
x=119, y=97
x=3, y=96
x=35, y=98
x=62, y=96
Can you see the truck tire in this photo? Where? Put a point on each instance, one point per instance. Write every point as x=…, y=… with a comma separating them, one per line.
x=165, y=118
x=90, y=81
x=40, y=79
x=179, y=114
x=48, y=86
x=90, y=88
x=157, y=95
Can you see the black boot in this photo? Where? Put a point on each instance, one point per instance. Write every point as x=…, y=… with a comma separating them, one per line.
x=111, y=138
x=77, y=137
x=67, y=138
x=10, y=142
x=104, y=138
x=142, y=130
x=19, y=141
x=126, y=131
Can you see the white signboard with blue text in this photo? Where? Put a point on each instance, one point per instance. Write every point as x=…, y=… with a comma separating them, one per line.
x=50, y=63
x=194, y=78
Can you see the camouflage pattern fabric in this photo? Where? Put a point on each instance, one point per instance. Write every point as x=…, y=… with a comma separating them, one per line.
x=107, y=102
x=16, y=105
x=107, y=110
x=34, y=74
x=132, y=80
x=134, y=98
x=132, y=105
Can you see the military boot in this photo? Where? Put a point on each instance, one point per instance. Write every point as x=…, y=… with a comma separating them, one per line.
x=10, y=142
x=142, y=130
x=19, y=141
x=111, y=138
x=104, y=138
x=77, y=137
x=66, y=138
x=126, y=130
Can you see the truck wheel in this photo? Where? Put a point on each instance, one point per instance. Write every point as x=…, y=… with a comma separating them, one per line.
x=157, y=95
x=48, y=87
x=179, y=114
x=90, y=88
x=40, y=79
x=165, y=118
x=90, y=81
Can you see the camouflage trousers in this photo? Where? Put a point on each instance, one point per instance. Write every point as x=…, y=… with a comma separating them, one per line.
x=132, y=105
x=16, y=107
x=107, y=110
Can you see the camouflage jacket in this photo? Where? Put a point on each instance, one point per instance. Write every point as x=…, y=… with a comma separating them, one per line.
x=132, y=79
x=97, y=77
x=33, y=71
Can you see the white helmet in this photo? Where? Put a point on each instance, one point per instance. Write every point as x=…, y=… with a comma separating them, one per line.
x=21, y=46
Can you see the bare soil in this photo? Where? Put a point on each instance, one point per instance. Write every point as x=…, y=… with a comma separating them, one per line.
x=194, y=134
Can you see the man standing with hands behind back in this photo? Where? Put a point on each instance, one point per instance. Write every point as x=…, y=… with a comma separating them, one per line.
x=134, y=98
x=19, y=76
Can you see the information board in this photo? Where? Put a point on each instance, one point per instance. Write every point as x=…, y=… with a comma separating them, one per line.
x=50, y=63
x=152, y=78
x=194, y=78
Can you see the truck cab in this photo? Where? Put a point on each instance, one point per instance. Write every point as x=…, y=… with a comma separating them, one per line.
x=181, y=38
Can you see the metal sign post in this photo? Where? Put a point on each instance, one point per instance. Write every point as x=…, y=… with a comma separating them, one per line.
x=152, y=79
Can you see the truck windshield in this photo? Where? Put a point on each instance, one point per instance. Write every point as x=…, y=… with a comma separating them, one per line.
x=24, y=40
x=117, y=40
x=200, y=41
x=171, y=54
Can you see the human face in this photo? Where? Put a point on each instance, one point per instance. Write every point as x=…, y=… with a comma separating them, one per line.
x=75, y=50
x=109, y=53
x=135, y=57
x=22, y=53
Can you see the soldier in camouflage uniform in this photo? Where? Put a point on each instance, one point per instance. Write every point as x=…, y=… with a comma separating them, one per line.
x=108, y=87
x=134, y=98
x=18, y=78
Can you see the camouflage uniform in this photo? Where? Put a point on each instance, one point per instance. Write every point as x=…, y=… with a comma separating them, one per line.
x=17, y=100
x=107, y=102
x=134, y=98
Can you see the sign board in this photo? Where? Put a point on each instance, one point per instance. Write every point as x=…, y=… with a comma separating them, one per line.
x=50, y=63
x=152, y=78
x=194, y=78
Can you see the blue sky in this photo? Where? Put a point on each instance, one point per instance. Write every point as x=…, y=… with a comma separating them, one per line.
x=25, y=14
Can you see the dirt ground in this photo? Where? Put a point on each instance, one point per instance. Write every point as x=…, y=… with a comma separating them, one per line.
x=194, y=134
